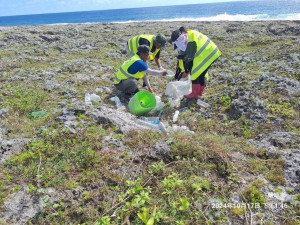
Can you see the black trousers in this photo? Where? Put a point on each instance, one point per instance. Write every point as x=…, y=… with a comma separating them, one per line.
x=201, y=79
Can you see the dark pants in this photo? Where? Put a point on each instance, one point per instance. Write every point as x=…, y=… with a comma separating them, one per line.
x=201, y=79
x=128, y=86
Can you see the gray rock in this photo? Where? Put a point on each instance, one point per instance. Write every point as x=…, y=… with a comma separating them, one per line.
x=78, y=107
x=49, y=38
x=292, y=169
x=69, y=93
x=3, y=112
x=11, y=147
x=116, y=143
x=124, y=120
x=248, y=105
x=21, y=207
x=160, y=151
x=51, y=85
x=278, y=28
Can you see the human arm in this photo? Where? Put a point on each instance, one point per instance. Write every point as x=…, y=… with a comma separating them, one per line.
x=189, y=58
x=156, y=72
x=146, y=81
x=157, y=60
x=158, y=63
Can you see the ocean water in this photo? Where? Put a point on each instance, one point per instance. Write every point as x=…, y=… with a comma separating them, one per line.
x=230, y=11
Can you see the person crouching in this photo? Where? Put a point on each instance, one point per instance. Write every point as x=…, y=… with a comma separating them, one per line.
x=133, y=69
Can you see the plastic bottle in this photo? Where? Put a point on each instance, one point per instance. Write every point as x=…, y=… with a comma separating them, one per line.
x=88, y=101
x=170, y=74
x=149, y=119
x=162, y=128
x=203, y=104
x=175, y=117
x=38, y=114
x=147, y=124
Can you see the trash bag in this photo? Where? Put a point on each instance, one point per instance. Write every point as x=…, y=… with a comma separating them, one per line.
x=177, y=89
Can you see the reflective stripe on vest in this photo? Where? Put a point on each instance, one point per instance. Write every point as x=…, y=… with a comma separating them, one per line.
x=133, y=44
x=181, y=65
x=123, y=75
x=207, y=52
x=211, y=55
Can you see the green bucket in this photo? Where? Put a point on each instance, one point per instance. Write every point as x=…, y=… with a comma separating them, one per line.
x=142, y=102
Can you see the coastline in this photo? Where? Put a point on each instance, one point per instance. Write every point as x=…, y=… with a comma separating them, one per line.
x=246, y=145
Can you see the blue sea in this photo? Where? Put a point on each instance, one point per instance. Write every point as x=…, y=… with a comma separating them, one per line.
x=226, y=11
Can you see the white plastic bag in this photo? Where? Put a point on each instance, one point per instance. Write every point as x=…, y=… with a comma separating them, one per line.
x=88, y=101
x=119, y=104
x=95, y=98
x=159, y=105
x=177, y=89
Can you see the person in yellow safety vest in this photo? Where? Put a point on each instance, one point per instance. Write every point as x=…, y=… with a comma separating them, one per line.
x=200, y=53
x=126, y=79
x=155, y=43
x=181, y=65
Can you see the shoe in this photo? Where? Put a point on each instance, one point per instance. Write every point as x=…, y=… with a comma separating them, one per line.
x=201, y=90
x=196, y=89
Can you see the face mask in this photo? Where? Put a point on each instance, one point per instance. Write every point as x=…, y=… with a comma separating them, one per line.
x=181, y=42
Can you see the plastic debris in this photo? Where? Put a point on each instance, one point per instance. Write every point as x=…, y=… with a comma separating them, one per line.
x=88, y=101
x=203, y=104
x=162, y=127
x=101, y=90
x=149, y=118
x=159, y=105
x=170, y=74
x=176, y=128
x=38, y=114
x=177, y=89
x=152, y=122
x=148, y=124
x=175, y=117
x=174, y=102
x=119, y=104
x=95, y=98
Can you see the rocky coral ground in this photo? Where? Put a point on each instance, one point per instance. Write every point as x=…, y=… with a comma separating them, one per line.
x=96, y=165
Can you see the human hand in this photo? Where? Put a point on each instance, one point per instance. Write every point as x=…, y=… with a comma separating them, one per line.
x=164, y=73
x=184, y=75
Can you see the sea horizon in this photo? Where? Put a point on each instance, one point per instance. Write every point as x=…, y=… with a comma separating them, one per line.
x=224, y=11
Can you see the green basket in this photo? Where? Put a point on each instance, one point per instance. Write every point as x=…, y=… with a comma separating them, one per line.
x=142, y=102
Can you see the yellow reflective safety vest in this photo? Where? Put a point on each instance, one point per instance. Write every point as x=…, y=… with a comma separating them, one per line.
x=181, y=66
x=123, y=73
x=133, y=44
x=207, y=52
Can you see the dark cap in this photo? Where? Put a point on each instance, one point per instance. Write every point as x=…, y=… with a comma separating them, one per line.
x=161, y=40
x=175, y=34
x=143, y=49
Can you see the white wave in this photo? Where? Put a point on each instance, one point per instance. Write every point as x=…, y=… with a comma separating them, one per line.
x=241, y=17
x=228, y=17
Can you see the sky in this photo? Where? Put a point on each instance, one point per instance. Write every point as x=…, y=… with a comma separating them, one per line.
x=27, y=7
